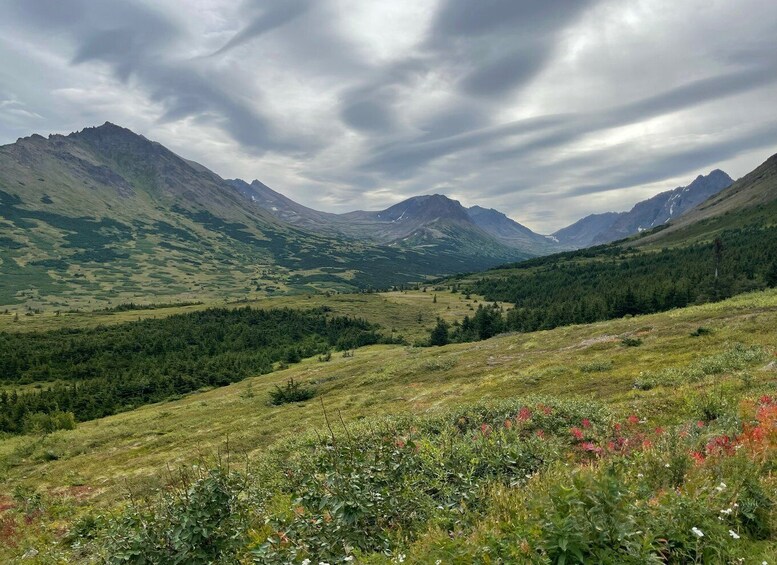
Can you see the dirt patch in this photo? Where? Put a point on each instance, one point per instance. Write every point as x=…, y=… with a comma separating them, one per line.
x=594, y=341
x=6, y=503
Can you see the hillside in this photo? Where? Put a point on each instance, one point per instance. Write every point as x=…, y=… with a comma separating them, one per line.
x=581, y=371
x=750, y=201
x=726, y=246
x=598, y=229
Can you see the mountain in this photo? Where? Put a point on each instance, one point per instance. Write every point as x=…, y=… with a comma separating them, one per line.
x=105, y=215
x=421, y=222
x=282, y=207
x=511, y=233
x=585, y=231
x=750, y=202
x=648, y=214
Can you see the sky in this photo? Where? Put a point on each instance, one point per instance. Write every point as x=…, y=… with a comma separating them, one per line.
x=546, y=110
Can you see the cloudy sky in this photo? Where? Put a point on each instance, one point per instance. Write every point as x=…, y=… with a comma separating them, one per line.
x=545, y=109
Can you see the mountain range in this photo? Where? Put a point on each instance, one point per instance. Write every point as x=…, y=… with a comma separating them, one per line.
x=104, y=215
x=418, y=222
x=597, y=229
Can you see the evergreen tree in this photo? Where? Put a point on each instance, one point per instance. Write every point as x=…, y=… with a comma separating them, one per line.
x=439, y=335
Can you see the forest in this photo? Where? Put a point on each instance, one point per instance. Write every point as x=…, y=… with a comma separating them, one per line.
x=96, y=372
x=609, y=282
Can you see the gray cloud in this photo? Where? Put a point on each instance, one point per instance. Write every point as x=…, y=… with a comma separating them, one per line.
x=134, y=41
x=498, y=45
x=551, y=109
x=680, y=160
x=271, y=15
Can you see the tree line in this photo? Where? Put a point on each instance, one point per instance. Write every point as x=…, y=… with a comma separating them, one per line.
x=103, y=370
x=591, y=285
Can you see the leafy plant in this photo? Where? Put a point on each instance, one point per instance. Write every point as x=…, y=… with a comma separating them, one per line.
x=202, y=520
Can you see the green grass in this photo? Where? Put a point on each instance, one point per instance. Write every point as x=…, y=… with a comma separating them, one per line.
x=136, y=450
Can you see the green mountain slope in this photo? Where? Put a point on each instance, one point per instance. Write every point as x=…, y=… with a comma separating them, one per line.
x=750, y=201
x=726, y=246
x=105, y=216
x=429, y=223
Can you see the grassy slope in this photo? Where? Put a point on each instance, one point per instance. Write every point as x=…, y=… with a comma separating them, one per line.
x=134, y=448
x=397, y=310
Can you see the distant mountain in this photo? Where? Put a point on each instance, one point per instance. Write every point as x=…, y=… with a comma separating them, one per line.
x=749, y=202
x=421, y=222
x=105, y=215
x=282, y=207
x=511, y=233
x=646, y=215
x=585, y=231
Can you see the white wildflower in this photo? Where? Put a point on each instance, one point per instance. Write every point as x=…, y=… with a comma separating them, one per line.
x=733, y=534
x=401, y=558
x=640, y=475
x=697, y=532
x=666, y=465
x=726, y=511
x=349, y=558
x=721, y=487
x=306, y=562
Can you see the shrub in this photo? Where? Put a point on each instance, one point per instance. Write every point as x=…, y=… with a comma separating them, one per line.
x=292, y=391
x=700, y=331
x=42, y=423
x=203, y=520
x=379, y=485
x=631, y=342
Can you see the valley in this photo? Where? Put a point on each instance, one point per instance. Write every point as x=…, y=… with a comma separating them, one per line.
x=312, y=343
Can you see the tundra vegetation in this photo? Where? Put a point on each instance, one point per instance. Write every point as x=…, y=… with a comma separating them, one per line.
x=543, y=447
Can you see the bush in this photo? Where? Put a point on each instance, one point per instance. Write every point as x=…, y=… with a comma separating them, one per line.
x=700, y=331
x=204, y=520
x=42, y=423
x=292, y=391
x=377, y=487
x=631, y=342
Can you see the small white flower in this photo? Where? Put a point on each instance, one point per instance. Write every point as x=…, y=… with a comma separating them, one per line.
x=401, y=558
x=697, y=532
x=306, y=562
x=733, y=534
x=726, y=511
x=640, y=475
x=666, y=465
x=349, y=558
x=721, y=487
x=438, y=562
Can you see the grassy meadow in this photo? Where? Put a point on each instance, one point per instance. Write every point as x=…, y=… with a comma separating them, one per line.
x=658, y=366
